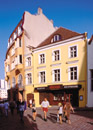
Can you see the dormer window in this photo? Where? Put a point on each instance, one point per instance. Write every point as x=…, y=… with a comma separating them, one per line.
x=56, y=38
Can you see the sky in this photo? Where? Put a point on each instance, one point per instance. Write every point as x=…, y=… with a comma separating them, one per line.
x=76, y=15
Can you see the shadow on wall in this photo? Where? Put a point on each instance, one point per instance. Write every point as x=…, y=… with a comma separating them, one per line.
x=83, y=76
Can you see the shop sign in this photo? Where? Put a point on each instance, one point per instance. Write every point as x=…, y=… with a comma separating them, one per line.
x=72, y=86
x=52, y=87
x=41, y=88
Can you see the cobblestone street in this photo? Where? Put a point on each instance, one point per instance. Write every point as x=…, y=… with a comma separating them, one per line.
x=81, y=120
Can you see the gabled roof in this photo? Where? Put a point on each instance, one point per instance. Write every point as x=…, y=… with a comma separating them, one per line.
x=91, y=39
x=65, y=34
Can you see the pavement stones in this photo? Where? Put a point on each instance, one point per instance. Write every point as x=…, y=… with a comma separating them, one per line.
x=80, y=120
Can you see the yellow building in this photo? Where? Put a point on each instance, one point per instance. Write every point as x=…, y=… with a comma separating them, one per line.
x=60, y=68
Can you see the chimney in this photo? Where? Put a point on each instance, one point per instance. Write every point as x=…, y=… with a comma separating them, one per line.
x=40, y=11
x=51, y=21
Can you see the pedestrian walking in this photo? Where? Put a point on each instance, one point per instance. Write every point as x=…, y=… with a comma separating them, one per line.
x=12, y=107
x=6, y=107
x=44, y=106
x=17, y=106
x=34, y=110
x=67, y=108
x=21, y=109
x=25, y=103
x=60, y=112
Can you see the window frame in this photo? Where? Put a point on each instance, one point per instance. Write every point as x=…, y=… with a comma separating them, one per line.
x=53, y=75
x=69, y=53
x=43, y=58
x=44, y=78
x=69, y=74
x=28, y=62
x=53, y=55
x=27, y=78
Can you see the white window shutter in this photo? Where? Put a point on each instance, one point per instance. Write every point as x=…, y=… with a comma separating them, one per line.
x=69, y=52
x=53, y=56
x=53, y=75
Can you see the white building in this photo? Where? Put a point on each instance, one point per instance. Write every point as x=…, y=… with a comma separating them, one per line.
x=90, y=73
x=3, y=89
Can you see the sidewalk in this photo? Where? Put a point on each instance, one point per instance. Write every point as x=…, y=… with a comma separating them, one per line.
x=81, y=120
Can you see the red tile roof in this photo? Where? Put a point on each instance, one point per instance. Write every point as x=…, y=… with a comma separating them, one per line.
x=91, y=39
x=65, y=34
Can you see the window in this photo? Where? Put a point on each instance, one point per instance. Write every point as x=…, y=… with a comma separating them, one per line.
x=56, y=55
x=29, y=78
x=91, y=80
x=15, y=35
x=13, y=82
x=73, y=51
x=59, y=97
x=20, y=59
x=42, y=58
x=20, y=81
x=13, y=51
x=13, y=65
x=56, y=38
x=20, y=45
x=42, y=77
x=19, y=30
x=28, y=62
x=56, y=75
x=73, y=73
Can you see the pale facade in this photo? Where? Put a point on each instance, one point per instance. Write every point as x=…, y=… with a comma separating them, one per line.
x=90, y=73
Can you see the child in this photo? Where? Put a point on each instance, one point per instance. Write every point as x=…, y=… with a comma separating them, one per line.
x=34, y=110
x=60, y=112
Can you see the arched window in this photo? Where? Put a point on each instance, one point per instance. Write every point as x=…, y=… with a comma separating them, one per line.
x=13, y=82
x=20, y=81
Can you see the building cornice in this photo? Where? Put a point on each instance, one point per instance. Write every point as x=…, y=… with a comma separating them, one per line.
x=68, y=41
